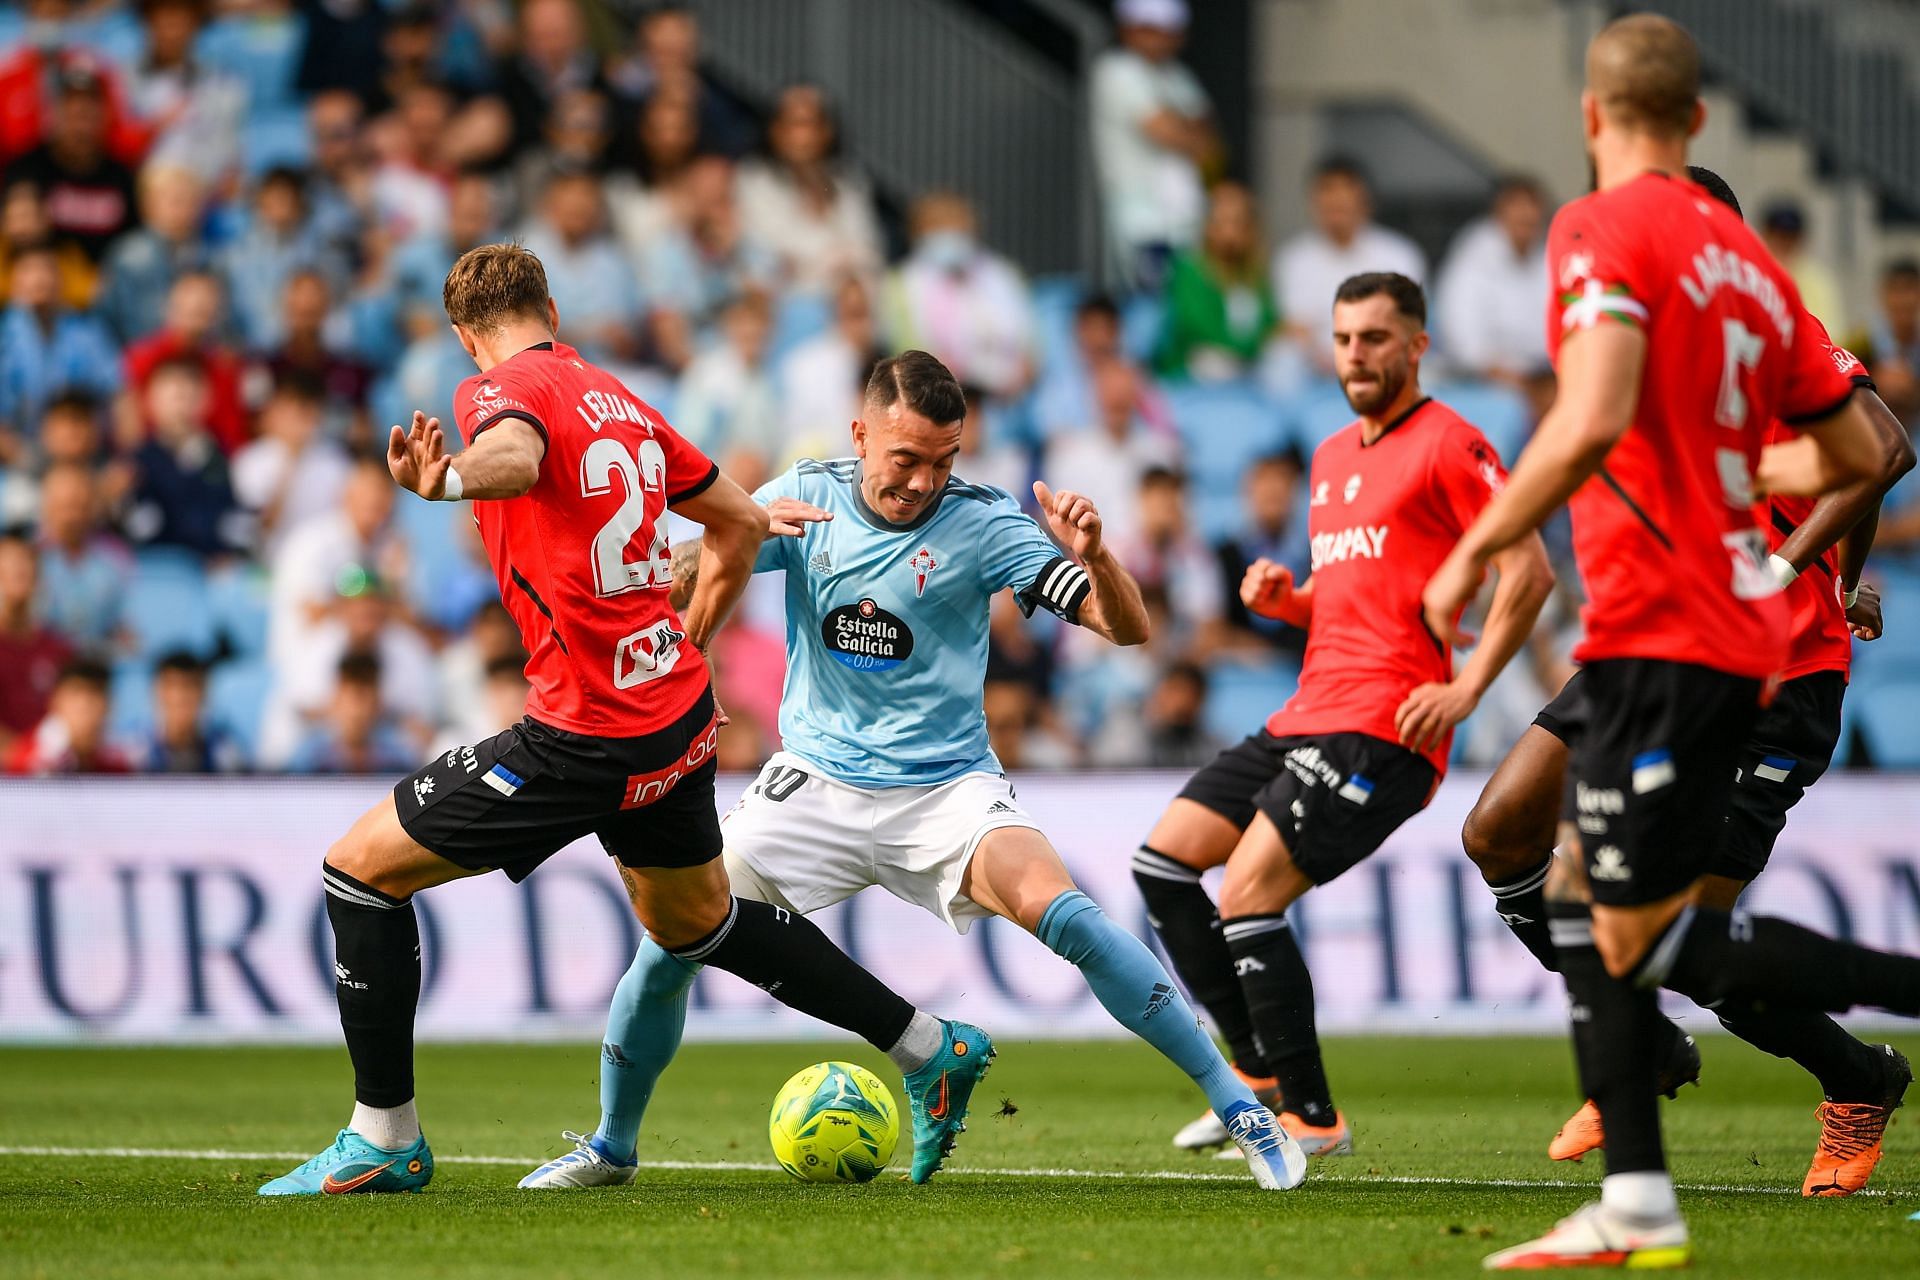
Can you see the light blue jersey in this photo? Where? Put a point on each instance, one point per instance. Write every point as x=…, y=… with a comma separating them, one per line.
x=887, y=623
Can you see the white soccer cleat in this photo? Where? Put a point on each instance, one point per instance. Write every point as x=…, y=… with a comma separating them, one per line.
x=1596, y=1236
x=1205, y=1132
x=1273, y=1157
x=579, y=1168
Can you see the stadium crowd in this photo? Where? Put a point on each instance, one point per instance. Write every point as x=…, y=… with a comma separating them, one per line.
x=224, y=225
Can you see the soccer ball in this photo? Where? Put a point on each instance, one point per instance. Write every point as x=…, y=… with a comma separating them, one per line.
x=834, y=1122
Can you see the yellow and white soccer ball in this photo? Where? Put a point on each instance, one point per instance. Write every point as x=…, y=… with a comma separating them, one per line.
x=834, y=1122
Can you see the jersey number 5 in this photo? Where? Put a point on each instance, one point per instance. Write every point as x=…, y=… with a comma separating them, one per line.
x=643, y=471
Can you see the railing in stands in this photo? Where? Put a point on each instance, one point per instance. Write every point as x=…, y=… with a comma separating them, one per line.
x=933, y=95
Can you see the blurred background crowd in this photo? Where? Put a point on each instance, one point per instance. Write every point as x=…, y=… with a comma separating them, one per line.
x=224, y=225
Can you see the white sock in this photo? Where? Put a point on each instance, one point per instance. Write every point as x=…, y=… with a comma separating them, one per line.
x=918, y=1043
x=389, y=1128
x=1647, y=1196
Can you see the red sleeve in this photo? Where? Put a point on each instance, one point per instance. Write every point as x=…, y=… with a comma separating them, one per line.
x=1468, y=472
x=1820, y=375
x=485, y=399
x=690, y=472
x=1597, y=276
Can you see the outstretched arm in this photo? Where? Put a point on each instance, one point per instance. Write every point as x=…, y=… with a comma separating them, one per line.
x=786, y=518
x=504, y=462
x=1113, y=608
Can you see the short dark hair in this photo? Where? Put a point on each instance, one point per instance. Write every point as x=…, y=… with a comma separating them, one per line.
x=1409, y=299
x=920, y=382
x=1161, y=477
x=1902, y=269
x=76, y=404
x=1188, y=670
x=301, y=385
x=494, y=283
x=181, y=662
x=1341, y=165
x=179, y=362
x=1097, y=304
x=1716, y=186
x=283, y=176
x=362, y=669
x=1519, y=184
x=89, y=671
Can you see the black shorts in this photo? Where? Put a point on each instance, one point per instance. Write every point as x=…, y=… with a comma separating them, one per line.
x=1652, y=773
x=521, y=796
x=1791, y=746
x=1564, y=716
x=1335, y=797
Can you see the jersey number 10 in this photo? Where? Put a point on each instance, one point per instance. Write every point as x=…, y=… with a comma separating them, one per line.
x=643, y=471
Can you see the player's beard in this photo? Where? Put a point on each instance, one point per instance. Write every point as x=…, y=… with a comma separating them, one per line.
x=1386, y=390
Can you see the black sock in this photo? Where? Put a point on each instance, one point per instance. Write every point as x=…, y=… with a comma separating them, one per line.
x=1616, y=1039
x=1522, y=903
x=1716, y=959
x=787, y=956
x=1848, y=1071
x=376, y=969
x=1279, y=993
x=1188, y=925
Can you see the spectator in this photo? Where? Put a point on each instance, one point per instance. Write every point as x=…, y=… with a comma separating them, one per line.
x=193, y=111
x=24, y=226
x=305, y=570
x=406, y=188
x=958, y=299
x=339, y=189
x=1343, y=241
x=181, y=494
x=822, y=379
x=666, y=61
x=281, y=239
x=693, y=270
x=1220, y=308
x=364, y=620
x=1490, y=288
x=356, y=736
x=1106, y=460
x=981, y=461
x=553, y=58
x=585, y=270
x=310, y=348
x=1783, y=228
x=801, y=200
x=419, y=268
x=89, y=194
x=84, y=571
x=293, y=473
x=727, y=405
x=69, y=432
x=1170, y=732
x=655, y=196
x=1153, y=134
x=143, y=265
x=465, y=670
x=578, y=138
x=45, y=348
x=32, y=654
x=1064, y=399
x=73, y=736
x=1894, y=339
x=182, y=739
x=190, y=330
x=1022, y=729
x=1273, y=529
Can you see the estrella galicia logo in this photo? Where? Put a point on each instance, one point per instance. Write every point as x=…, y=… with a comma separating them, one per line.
x=866, y=637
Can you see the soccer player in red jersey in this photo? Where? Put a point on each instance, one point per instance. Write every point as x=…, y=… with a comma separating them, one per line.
x=1819, y=551
x=571, y=477
x=1677, y=340
x=1362, y=744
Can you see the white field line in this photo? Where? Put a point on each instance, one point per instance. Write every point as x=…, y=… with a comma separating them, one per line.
x=747, y=1166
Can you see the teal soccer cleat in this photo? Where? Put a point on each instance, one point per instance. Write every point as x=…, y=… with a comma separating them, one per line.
x=353, y=1166
x=938, y=1093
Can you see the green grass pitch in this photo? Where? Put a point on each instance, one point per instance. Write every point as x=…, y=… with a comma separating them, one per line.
x=1450, y=1164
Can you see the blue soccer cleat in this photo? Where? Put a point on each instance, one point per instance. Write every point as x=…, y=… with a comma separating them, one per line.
x=352, y=1166
x=938, y=1093
x=587, y=1165
x=1276, y=1161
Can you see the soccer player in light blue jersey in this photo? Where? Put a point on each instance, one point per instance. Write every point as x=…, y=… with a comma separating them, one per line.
x=886, y=777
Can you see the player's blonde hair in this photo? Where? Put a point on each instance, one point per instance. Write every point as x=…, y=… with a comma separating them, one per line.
x=492, y=284
x=1645, y=72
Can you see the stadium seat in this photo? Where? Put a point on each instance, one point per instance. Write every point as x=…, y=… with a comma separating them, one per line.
x=167, y=606
x=1143, y=318
x=1896, y=655
x=262, y=51
x=1054, y=301
x=1225, y=427
x=1240, y=695
x=1888, y=717
x=797, y=317
x=130, y=699
x=1500, y=412
x=237, y=597
x=1316, y=413
x=236, y=696
x=274, y=137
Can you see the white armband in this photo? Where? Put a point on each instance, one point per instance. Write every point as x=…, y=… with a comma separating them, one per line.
x=1783, y=571
x=1849, y=598
x=454, y=488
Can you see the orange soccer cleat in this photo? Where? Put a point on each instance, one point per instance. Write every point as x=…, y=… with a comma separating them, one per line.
x=1851, y=1134
x=1583, y=1132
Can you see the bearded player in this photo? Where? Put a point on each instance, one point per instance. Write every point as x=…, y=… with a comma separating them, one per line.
x=571, y=477
x=1677, y=340
x=885, y=776
x=1362, y=745
x=1818, y=553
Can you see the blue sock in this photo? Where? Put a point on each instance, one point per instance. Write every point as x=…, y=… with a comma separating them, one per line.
x=643, y=1033
x=1140, y=995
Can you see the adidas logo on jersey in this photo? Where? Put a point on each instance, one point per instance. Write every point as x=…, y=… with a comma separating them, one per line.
x=821, y=562
x=1001, y=806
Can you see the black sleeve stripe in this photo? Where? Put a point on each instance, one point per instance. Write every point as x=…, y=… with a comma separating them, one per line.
x=697, y=488
x=1060, y=588
x=1864, y=381
x=495, y=419
x=1801, y=419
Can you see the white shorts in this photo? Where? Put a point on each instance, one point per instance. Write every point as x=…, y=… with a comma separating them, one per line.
x=801, y=840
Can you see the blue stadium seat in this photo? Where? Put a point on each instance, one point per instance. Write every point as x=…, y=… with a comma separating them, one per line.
x=1888, y=717
x=131, y=699
x=1054, y=301
x=236, y=696
x=274, y=137
x=167, y=604
x=238, y=597
x=1143, y=318
x=797, y=317
x=264, y=52
x=1316, y=413
x=1225, y=427
x=1500, y=413
x=1896, y=655
x=1241, y=695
